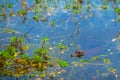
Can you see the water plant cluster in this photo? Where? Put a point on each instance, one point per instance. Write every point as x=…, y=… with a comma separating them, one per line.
x=15, y=60
x=43, y=8
x=15, y=63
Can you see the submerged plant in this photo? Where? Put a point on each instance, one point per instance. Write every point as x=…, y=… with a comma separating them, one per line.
x=44, y=39
x=107, y=61
x=15, y=62
x=10, y=5
x=63, y=63
x=62, y=46
x=113, y=70
x=13, y=39
x=6, y=30
x=117, y=10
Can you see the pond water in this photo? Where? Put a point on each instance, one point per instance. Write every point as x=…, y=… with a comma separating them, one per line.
x=96, y=32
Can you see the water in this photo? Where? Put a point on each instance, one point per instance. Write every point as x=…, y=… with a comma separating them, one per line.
x=91, y=32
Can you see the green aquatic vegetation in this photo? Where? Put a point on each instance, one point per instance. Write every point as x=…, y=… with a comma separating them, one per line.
x=37, y=1
x=113, y=70
x=97, y=72
x=104, y=7
x=16, y=64
x=95, y=58
x=75, y=7
x=25, y=48
x=118, y=19
x=107, y=61
x=4, y=54
x=4, y=14
x=67, y=6
x=41, y=51
x=1, y=7
x=76, y=11
x=24, y=56
x=36, y=17
x=11, y=50
x=37, y=51
x=12, y=31
x=38, y=58
x=80, y=6
x=11, y=13
x=14, y=55
x=63, y=63
x=20, y=40
x=44, y=51
x=7, y=30
x=62, y=46
x=44, y=39
x=43, y=75
x=117, y=10
x=22, y=12
x=105, y=74
x=13, y=39
x=84, y=61
x=10, y=5
x=52, y=23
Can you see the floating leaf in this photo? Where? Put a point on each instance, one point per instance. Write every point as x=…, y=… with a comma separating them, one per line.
x=24, y=56
x=84, y=61
x=6, y=29
x=61, y=46
x=106, y=60
x=44, y=39
x=10, y=5
x=36, y=17
x=117, y=10
x=95, y=58
x=38, y=58
x=67, y=6
x=13, y=39
x=63, y=63
x=12, y=31
x=111, y=69
x=76, y=11
x=118, y=19
x=22, y=12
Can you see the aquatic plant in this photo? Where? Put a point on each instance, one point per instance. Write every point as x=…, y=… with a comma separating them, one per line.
x=107, y=61
x=44, y=39
x=117, y=10
x=104, y=7
x=13, y=39
x=76, y=7
x=10, y=5
x=14, y=62
x=111, y=69
x=7, y=30
x=63, y=63
x=91, y=60
x=61, y=46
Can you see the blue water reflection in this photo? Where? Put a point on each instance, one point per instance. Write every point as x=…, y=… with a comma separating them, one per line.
x=92, y=35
